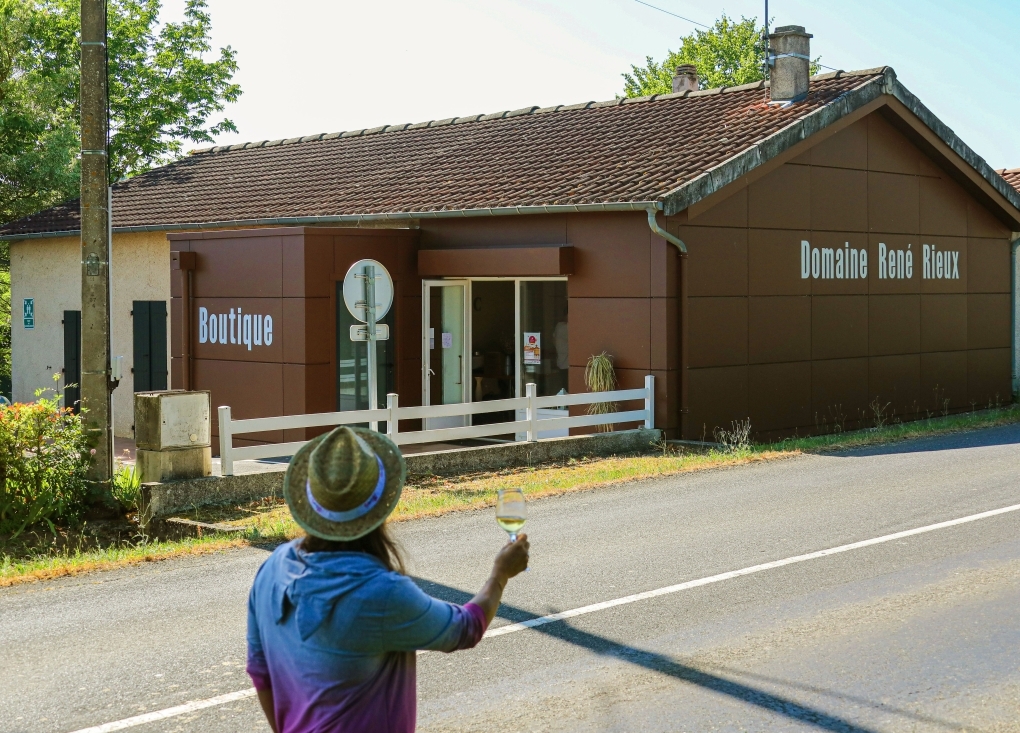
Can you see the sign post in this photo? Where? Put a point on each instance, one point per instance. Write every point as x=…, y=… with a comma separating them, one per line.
x=368, y=294
x=373, y=370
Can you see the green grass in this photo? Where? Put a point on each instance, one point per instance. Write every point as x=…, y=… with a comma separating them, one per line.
x=936, y=425
x=269, y=521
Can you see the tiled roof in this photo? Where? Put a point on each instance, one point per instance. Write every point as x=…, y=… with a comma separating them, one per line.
x=631, y=150
x=1012, y=177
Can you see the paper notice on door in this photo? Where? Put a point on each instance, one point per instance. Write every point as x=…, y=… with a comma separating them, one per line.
x=447, y=340
x=432, y=338
x=532, y=348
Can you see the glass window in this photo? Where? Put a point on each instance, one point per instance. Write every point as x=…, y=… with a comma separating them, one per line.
x=352, y=360
x=544, y=344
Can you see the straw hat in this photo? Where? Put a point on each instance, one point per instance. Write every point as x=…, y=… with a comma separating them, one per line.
x=342, y=485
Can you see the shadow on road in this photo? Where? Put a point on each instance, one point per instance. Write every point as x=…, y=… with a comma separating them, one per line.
x=984, y=438
x=662, y=664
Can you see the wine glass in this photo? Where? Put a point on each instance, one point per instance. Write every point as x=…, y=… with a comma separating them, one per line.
x=511, y=511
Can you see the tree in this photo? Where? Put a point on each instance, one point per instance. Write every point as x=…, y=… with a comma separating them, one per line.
x=162, y=92
x=728, y=54
x=37, y=162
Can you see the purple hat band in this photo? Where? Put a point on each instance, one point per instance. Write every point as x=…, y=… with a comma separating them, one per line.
x=355, y=513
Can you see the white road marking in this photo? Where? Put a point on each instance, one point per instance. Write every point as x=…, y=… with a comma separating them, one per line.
x=552, y=618
x=188, y=707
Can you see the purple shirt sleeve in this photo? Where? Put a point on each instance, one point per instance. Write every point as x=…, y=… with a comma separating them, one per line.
x=475, y=630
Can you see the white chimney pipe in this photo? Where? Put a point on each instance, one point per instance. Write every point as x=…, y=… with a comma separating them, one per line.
x=685, y=78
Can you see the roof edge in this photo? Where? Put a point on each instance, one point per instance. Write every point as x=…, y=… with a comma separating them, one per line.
x=355, y=220
x=728, y=171
x=953, y=141
x=765, y=150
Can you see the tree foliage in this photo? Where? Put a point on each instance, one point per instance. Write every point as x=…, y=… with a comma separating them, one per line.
x=728, y=54
x=165, y=86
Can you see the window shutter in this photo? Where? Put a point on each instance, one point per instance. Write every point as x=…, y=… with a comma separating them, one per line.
x=72, y=360
x=157, y=345
x=142, y=357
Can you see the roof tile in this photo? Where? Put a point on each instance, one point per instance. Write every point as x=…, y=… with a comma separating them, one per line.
x=588, y=153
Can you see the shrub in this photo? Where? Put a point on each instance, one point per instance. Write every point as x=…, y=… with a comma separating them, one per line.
x=44, y=455
x=738, y=438
x=600, y=376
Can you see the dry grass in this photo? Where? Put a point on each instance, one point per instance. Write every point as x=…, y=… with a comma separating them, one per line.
x=269, y=521
x=48, y=567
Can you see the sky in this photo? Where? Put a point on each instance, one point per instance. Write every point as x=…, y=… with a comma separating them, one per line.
x=311, y=66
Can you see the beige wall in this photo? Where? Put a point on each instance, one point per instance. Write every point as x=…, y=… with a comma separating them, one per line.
x=49, y=270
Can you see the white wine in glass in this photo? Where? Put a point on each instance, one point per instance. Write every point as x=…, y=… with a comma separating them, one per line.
x=511, y=511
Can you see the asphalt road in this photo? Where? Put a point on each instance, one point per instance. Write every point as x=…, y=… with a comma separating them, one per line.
x=916, y=634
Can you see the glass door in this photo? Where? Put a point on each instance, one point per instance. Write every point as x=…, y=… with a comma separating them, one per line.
x=543, y=345
x=445, y=366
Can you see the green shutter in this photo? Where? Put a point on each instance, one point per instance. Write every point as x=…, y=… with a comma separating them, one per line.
x=72, y=359
x=157, y=345
x=142, y=357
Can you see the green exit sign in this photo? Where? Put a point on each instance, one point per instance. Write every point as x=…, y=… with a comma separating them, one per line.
x=29, y=311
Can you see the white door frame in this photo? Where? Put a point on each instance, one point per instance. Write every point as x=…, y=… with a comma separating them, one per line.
x=465, y=337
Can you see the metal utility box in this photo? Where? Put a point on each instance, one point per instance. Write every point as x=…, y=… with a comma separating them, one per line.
x=172, y=435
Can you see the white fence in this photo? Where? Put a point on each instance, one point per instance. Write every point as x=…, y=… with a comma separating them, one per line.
x=530, y=426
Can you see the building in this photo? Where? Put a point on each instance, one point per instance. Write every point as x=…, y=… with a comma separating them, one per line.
x=845, y=252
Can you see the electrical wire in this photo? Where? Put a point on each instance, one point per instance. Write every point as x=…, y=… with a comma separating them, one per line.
x=653, y=7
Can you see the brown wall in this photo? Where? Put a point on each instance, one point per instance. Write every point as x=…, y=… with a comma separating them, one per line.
x=290, y=274
x=802, y=355
x=622, y=295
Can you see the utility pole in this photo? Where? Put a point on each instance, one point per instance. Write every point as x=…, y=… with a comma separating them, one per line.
x=95, y=246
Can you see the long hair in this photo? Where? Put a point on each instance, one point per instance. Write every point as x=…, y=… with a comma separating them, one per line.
x=378, y=543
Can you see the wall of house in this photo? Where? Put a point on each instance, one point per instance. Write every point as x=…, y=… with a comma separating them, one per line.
x=289, y=274
x=807, y=354
x=49, y=270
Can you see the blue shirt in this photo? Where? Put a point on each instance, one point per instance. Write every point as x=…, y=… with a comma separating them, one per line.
x=334, y=635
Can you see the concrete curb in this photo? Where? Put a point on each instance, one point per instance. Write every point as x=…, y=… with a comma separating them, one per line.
x=161, y=499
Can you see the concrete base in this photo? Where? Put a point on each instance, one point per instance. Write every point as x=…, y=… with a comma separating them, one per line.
x=512, y=455
x=161, y=499
x=170, y=465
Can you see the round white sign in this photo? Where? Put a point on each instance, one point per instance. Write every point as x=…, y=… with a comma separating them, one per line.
x=354, y=290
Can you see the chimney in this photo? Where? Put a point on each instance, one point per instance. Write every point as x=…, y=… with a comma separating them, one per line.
x=790, y=63
x=685, y=79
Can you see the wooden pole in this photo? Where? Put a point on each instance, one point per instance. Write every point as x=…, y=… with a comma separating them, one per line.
x=95, y=246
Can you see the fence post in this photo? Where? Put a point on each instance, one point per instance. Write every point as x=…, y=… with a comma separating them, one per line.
x=392, y=428
x=226, y=442
x=531, y=392
x=649, y=402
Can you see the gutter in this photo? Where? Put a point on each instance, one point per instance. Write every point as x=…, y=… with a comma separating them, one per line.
x=1013, y=319
x=409, y=219
x=654, y=226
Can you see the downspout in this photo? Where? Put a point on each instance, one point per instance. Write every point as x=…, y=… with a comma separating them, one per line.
x=1014, y=320
x=654, y=226
x=681, y=294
